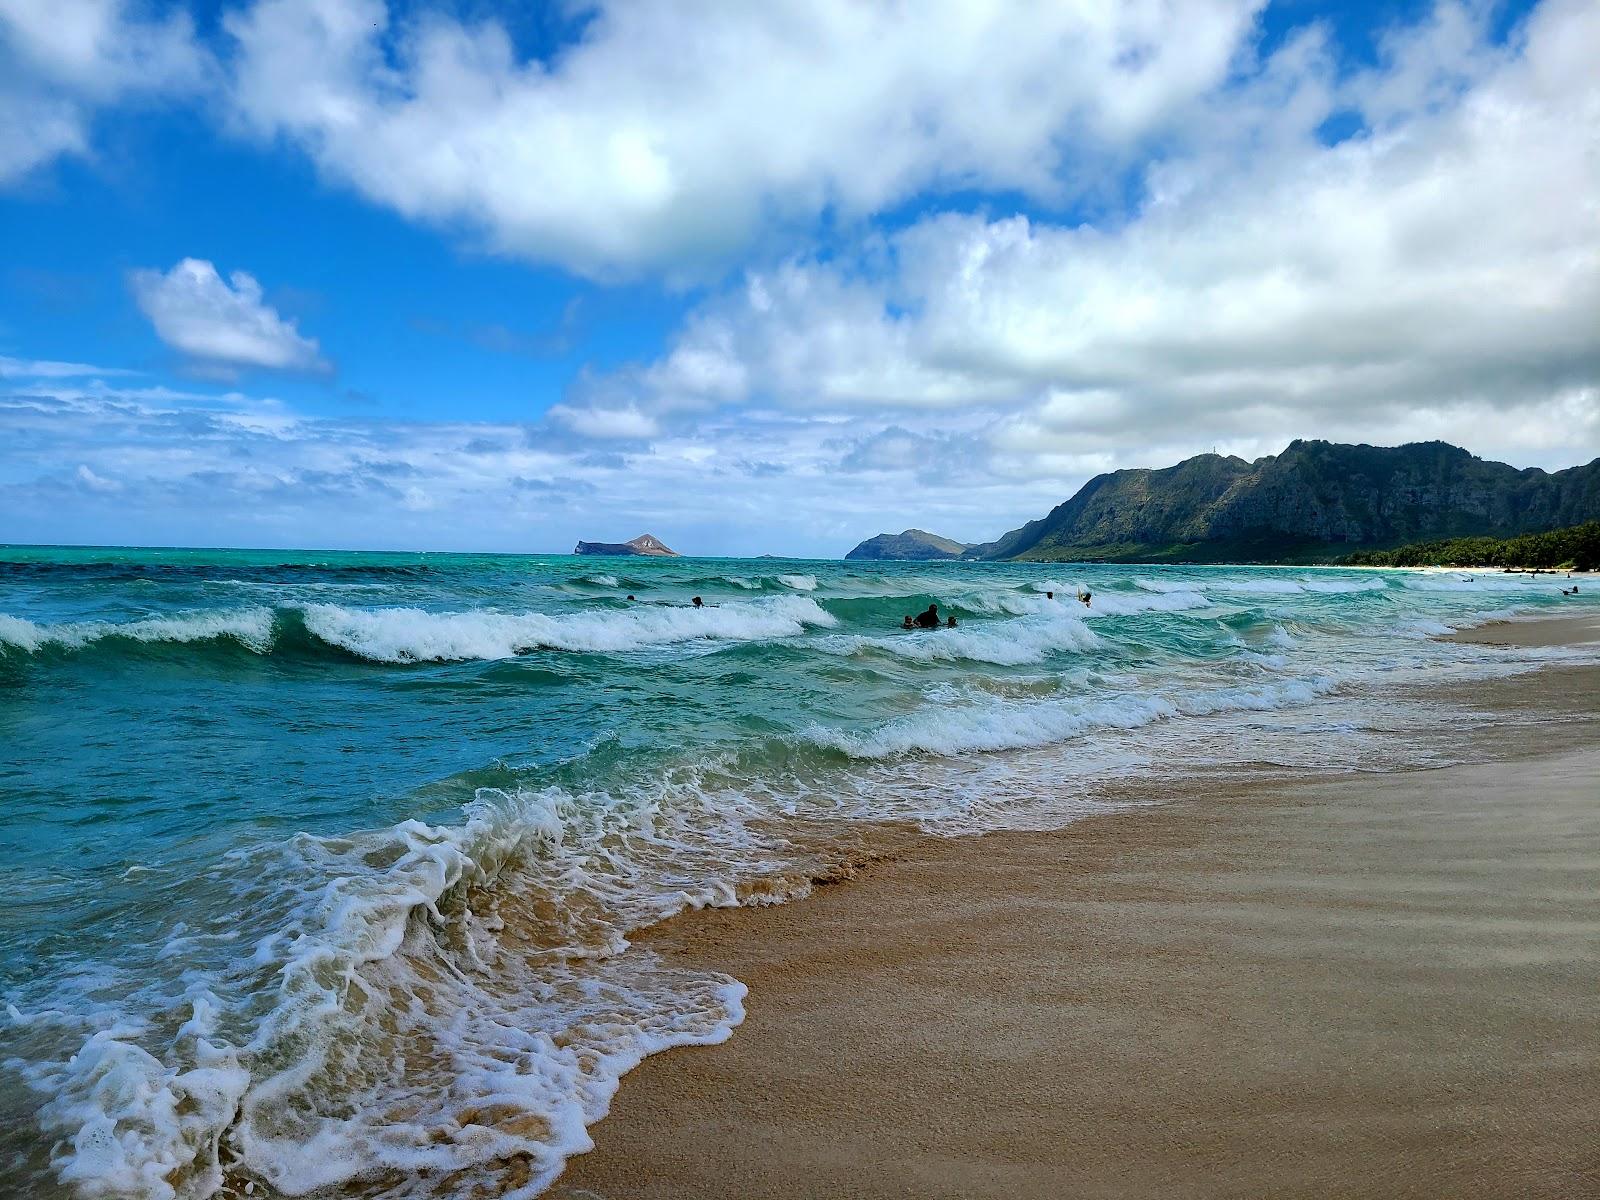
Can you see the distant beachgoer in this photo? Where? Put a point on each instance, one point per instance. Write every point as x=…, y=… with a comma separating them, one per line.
x=1049, y=595
x=1085, y=596
x=908, y=623
x=697, y=602
x=950, y=624
x=929, y=619
x=630, y=595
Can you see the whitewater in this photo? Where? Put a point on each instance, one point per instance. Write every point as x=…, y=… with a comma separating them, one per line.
x=325, y=870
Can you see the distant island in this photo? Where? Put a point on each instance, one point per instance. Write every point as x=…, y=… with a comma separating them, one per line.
x=1315, y=502
x=646, y=545
x=913, y=544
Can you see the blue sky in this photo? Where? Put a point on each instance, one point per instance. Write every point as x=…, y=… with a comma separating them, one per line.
x=776, y=278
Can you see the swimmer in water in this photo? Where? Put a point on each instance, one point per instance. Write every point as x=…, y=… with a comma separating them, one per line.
x=697, y=602
x=929, y=619
x=950, y=624
x=908, y=623
x=1085, y=595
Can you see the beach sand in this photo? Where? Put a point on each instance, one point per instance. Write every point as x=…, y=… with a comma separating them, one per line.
x=1550, y=631
x=1373, y=985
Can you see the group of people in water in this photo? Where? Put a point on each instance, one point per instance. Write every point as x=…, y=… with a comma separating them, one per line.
x=929, y=617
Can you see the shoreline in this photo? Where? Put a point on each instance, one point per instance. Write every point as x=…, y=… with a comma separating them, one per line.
x=1368, y=984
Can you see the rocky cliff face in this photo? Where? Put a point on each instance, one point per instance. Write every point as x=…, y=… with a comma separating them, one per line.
x=646, y=544
x=913, y=544
x=1315, y=500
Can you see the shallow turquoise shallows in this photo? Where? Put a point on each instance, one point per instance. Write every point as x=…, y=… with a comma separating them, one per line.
x=320, y=867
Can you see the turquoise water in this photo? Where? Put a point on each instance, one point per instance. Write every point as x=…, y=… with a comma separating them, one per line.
x=321, y=865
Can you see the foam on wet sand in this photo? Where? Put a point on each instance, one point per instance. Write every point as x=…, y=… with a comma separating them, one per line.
x=1368, y=985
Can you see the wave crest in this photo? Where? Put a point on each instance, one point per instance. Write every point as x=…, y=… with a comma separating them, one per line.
x=410, y=635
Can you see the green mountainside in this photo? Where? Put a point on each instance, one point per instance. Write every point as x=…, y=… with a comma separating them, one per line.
x=1316, y=501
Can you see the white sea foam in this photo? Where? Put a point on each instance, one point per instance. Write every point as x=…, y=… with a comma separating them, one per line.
x=251, y=627
x=1340, y=587
x=385, y=1028
x=1003, y=643
x=1102, y=603
x=800, y=583
x=405, y=635
x=1001, y=724
x=1261, y=585
x=1109, y=603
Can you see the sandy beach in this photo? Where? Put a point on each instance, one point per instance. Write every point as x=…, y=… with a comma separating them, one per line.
x=1377, y=985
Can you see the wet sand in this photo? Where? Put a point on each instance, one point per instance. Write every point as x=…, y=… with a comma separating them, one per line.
x=1549, y=631
x=1369, y=986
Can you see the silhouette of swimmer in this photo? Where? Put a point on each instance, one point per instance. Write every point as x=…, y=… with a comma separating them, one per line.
x=1049, y=595
x=630, y=595
x=929, y=619
x=950, y=624
x=908, y=623
x=1085, y=595
x=697, y=602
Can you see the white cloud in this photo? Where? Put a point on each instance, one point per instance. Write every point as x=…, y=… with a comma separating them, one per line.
x=33, y=368
x=61, y=61
x=221, y=323
x=165, y=468
x=605, y=423
x=673, y=133
x=1437, y=275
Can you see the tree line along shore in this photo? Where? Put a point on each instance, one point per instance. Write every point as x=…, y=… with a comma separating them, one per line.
x=1575, y=548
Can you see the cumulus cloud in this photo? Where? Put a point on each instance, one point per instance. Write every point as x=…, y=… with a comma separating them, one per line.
x=604, y=423
x=670, y=134
x=221, y=323
x=62, y=62
x=1436, y=275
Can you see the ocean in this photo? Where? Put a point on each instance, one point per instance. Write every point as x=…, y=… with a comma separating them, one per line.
x=321, y=868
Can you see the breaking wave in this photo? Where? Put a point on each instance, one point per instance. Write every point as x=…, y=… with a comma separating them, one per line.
x=250, y=627
x=414, y=635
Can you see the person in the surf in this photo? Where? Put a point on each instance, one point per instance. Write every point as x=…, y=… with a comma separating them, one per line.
x=697, y=602
x=1085, y=595
x=908, y=623
x=929, y=619
x=950, y=624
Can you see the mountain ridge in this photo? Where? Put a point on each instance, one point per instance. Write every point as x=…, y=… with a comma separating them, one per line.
x=1314, y=501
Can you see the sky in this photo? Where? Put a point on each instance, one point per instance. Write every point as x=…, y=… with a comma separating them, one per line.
x=767, y=278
